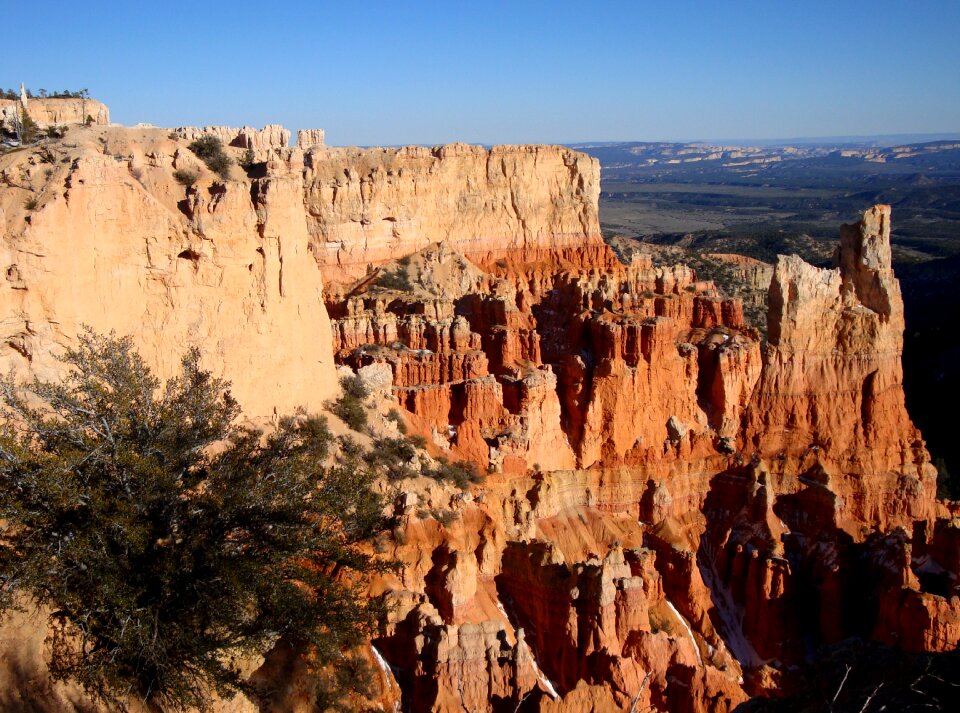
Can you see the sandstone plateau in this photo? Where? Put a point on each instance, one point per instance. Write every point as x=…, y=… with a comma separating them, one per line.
x=55, y=111
x=675, y=512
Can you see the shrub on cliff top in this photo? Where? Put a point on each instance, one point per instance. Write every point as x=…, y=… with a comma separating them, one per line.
x=163, y=538
x=461, y=473
x=29, y=130
x=349, y=406
x=185, y=177
x=209, y=149
x=396, y=280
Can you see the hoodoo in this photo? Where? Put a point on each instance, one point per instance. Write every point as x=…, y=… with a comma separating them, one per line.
x=675, y=512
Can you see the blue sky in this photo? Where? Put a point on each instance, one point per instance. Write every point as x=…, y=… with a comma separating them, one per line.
x=504, y=72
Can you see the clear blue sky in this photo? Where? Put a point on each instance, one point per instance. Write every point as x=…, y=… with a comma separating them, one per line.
x=503, y=72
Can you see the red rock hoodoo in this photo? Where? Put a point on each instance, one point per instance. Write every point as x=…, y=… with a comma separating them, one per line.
x=674, y=512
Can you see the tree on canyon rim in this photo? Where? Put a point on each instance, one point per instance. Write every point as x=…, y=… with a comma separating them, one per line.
x=165, y=540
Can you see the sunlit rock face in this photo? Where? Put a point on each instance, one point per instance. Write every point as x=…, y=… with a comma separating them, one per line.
x=54, y=111
x=98, y=232
x=674, y=512
x=508, y=203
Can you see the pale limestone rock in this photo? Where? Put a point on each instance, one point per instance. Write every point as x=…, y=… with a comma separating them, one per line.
x=271, y=136
x=832, y=375
x=308, y=138
x=55, y=111
x=225, y=271
x=676, y=429
x=377, y=378
x=368, y=206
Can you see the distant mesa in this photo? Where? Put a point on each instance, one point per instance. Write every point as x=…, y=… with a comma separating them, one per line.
x=271, y=136
x=52, y=111
x=308, y=138
x=74, y=109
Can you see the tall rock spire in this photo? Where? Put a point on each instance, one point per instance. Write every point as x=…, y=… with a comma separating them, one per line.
x=832, y=380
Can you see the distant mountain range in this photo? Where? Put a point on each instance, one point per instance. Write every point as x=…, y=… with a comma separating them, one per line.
x=853, y=140
x=639, y=159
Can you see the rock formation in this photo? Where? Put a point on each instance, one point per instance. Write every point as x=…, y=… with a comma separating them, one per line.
x=54, y=111
x=369, y=206
x=271, y=136
x=675, y=513
x=308, y=138
x=101, y=234
x=729, y=503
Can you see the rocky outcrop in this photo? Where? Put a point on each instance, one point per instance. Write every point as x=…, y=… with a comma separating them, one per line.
x=55, y=111
x=731, y=505
x=552, y=370
x=102, y=235
x=674, y=513
x=271, y=136
x=308, y=138
x=833, y=382
x=751, y=273
x=366, y=207
x=750, y=280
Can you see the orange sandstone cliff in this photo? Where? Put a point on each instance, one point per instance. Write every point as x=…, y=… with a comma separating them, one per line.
x=54, y=111
x=96, y=231
x=368, y=206
x=674, y=512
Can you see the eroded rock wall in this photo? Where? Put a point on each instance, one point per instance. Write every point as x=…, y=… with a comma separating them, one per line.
x=55, y=111
x=732, y=503
x=674, y=513
x=369, y=206
x=271, y=136
x=101, y=234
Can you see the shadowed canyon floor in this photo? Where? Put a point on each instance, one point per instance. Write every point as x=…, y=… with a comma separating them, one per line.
x=675, y=513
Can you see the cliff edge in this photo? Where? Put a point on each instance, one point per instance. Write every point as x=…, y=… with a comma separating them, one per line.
x=97, y=231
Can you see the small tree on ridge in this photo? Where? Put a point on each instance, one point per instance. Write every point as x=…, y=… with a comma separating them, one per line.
x=163, y=538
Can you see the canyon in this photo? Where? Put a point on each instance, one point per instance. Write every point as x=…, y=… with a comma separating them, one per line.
x=675, y=511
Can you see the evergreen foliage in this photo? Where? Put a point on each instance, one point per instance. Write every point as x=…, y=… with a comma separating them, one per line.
x=185, y=177
x=209, y=149
x=29, y=131
x=349, y=407
x=164, y=539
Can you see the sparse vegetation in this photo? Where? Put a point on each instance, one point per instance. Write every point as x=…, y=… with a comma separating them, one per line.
x=247, y=159
x=461, y=473
x=185, y=177
x=29, y=131
x=393, y=457
x=31, y=204
x=396, y=279
x=44, y=94
x=349, y=406
x=164, y=538
x=444, y=517
x=395, y=416
x=209, y=149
